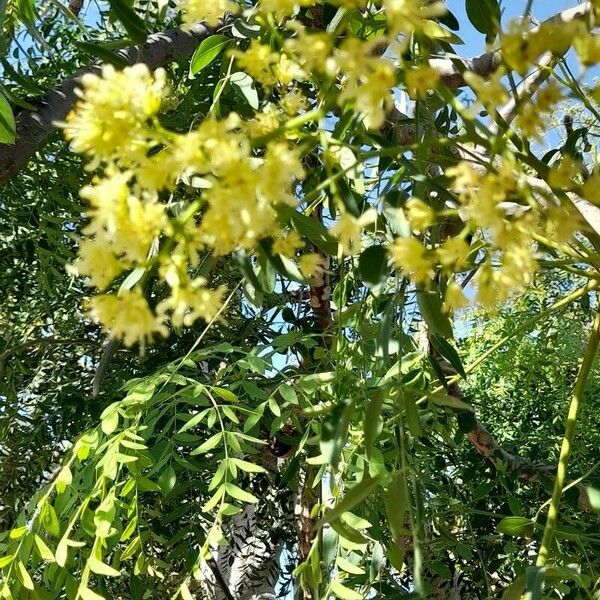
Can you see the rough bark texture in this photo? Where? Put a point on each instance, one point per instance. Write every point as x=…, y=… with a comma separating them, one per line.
x=35, y=127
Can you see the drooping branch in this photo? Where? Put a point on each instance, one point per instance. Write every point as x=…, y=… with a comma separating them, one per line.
x=35, y=127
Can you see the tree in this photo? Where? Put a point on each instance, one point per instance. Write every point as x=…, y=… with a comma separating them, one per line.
x=268, y=332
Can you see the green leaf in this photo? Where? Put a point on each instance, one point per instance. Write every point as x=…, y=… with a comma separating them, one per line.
x=110, y=420
x=43, y=550
x=167, y=480
x=100, y=568
x=352, y=497
x=334, y=431
x=348, y=567
x=245, y=85
x=443, y=399
x=373, y=424
x=133, y=24
x=64, y=478
x=345, y=531
x=207, y=51
x=6, y=560
x=87, y=594
x=7, y=122
x=193, y=421
x=373, y=265
x=62, y=552
x=239, y=494
x=131, y=548
x=436, y=31
x=447, y=351
x=245, y=30
x=216, y=498
x=515, y=590
x=484, y=15
x=274, y=407
x=184, y=592
x=209, y=444
x=430, y=306
x=288, y=393
x=311, y=229
x=594, y=497
x=50, y=520
x=396, y=501
x=225, y=394
x=518, y=526
x=24, y=576
x=103, y=53
x=343, y=592
x=17, y=533
x=248, y=467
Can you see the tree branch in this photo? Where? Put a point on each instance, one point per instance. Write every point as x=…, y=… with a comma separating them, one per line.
x=35, y=127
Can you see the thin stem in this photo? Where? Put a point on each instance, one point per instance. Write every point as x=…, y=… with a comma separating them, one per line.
x=567, y=441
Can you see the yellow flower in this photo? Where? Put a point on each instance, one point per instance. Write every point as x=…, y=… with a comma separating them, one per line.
x=562, y=176
x=293, y=102
x=210, y=12
x=222, y=143
x=412, y=258
x=311, y=265
x=420, y=215
x=191, y=301
x=236, y=218
x=127, y=317
x=453, y=253
x=466, y=179
x=129, y=225
x=109, y=121
x=348, y=230
x=518, y=266
x=283, y=8
x=561, y=224
x=490, y=91
x=142, y=223
x=265, y=121
x=420, y=80
x=281, y=168
x=107, y=198
x=591, y=189
x=454, y=298
x=287, y=245
x=488, y=293
x=529, y=121
x=587, y=48
x=404, y=16
x=521, y=48
x=96, y=260
x=558, y=36
x=288, y=71
x=367, y=79
x=258, y=60
x=311, y=50
x=548, y=96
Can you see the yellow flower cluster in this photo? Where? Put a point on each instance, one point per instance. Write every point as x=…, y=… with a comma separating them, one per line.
x=499, y=203
x=115, y=125
x=195, y=11
x=113, y=115
x=521, y=47
x=367, y=79
x=531, y=116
